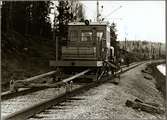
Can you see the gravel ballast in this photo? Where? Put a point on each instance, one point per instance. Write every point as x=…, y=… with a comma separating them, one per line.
x=18, y=103
x=107, y=101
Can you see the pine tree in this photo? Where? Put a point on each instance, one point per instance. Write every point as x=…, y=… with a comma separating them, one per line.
x=63, y=18
x=41, y=24
x=113, y=38
x=22, y=18
x=81, y=14
x=26, y=17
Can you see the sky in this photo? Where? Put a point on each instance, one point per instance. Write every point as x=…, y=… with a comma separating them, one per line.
x=135, y=20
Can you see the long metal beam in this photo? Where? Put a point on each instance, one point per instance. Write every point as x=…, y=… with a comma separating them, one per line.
x=33, y=85
x=75, y=76
x=37, y=77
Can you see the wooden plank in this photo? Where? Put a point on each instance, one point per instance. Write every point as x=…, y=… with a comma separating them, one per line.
x=144, y=107
x=147, y=77
x=146, y=71
x=150, y=103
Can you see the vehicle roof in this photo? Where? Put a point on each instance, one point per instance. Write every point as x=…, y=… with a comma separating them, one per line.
x=91, y=23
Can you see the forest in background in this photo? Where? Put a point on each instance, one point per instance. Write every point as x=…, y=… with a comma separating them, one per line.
x=27, y=42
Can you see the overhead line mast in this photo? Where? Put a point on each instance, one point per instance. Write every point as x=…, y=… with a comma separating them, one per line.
x=97, y=19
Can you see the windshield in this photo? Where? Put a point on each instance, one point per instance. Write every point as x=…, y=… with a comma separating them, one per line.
x=99, y=35
x=86, y=36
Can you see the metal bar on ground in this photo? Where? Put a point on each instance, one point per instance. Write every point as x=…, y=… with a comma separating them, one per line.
x=37, y=77
x=75, y=76
x=33, y=85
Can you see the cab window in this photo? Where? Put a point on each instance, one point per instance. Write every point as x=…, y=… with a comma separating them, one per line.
x=86, y=36
x=99, y=35
x=73, y=35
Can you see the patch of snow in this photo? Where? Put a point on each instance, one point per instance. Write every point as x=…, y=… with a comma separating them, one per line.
x=162, y=69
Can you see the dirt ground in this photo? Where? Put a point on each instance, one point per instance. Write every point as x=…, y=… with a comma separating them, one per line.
x=107, y=101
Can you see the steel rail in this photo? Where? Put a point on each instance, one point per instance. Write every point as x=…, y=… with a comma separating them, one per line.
x=38, y=77
x=15, y=85
x=32, y=110
x=34, y=87
x=54, y=85
x=9, y=94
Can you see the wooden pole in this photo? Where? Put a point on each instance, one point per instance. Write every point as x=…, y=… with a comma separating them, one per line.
x=97, y=17
x=56, y=49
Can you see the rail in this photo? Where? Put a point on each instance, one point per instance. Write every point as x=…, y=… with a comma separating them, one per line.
x=27, y=82
x=38, y=76
x=24, y=91
x=14, y=84
x=32, y=110
x=35, y=85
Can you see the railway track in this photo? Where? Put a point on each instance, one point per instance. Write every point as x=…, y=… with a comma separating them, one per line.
x=23, y=91
x=9, y=95
x=27, y=106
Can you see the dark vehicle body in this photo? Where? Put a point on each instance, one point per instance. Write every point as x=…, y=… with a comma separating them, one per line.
x=87, y=46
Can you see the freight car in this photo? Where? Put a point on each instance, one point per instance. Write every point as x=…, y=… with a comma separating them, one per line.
x=87, y=47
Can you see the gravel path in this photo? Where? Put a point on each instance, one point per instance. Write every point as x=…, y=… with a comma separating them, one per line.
x=107, y=101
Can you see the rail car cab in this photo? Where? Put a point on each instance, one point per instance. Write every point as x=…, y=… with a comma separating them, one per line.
x=87, y=45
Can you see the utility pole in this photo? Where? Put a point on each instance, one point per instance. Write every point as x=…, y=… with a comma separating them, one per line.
x=97, y=18
x=126, y=40
x=125, y=43
x=159, y=50
x=54, y=35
